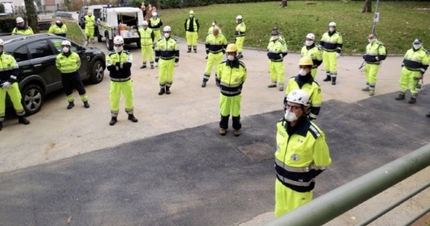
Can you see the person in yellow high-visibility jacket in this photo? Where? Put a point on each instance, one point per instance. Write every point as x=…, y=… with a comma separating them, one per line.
x=155, y=24
x=21, y=28
x=301, y=155
x=276, y=51
x=58, y=28
x=231, y=74
x=215, y=49
x=146, y=43
x=214, y=25
x=312, y=51
x=90, y=23
x=375, y=53
x=415, y=64
x=240, y=35
x=331, y=44
x=192, y=27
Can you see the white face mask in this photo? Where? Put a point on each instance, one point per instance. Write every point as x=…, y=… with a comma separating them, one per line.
x=191, y=16
x=331, y=29
x=309, y=43
x=213, y=24
x=290, y=116
x=275, y=37
x=417, y=46
x=118, y=49
x=166, y=35
x=66, y=49
x=302, y=72
x=371, y=40
x=230, y=57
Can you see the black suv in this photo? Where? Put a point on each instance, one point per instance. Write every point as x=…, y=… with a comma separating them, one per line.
x=38, y=75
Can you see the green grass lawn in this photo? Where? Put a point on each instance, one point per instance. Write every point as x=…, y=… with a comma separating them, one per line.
x=400, y=22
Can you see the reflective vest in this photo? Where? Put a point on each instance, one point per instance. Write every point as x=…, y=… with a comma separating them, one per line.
x=231, y=75
x=331, y=43
x=167, y=49
x=195, y=25
x=210, y=31
x=113, y=61
x=312, y=88
x=240, y=30
x=416, y=60
x=300, y=156
x=215, y=44
x=55, y=29
x=314, y=53
x=8, y=68
x=68, y=64
x=22, y=31
x=90, y=21
x=155, y=23
x=146, y=36
x=373, y=50
x=276, y=50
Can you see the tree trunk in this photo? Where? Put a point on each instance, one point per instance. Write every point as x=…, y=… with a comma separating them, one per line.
x=367, y=6
x=31, y=15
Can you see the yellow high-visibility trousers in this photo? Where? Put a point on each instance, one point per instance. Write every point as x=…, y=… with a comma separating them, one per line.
x=408, y=81
x=192, y=37
x=15, y=97
x=116, y=88
x=287, y=199
x=330, y=63
x=239, y=44
x=147, y=52
x=371, y=72
x=277, y=72
x=213, y=59
x=165, y=72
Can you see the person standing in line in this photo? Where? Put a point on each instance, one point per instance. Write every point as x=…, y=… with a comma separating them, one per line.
x=155, y=24
x=415, y=64
x=215, y=49
x=231, y=74
x=90, y=23
x=58, y=28
x=8, y=85
x=166, y=58
x=119, y=65
x=240, y=35
x=213, y=26
x=331, y=43
x=69, y=63
x=301, y=155
x=192, y=27
x=276, y=51
x=146, y=42
x=375, y=53
x=22, y=28
x=312, y=51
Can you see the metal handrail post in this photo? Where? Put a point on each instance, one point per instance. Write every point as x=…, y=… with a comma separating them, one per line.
x=338, y=201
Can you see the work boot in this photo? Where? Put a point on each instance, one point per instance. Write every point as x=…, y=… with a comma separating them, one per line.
x=281, y=88
x=366, y=89
x=333, y=81
x=327, y=79
x=144, y=66
x=70, y=106
x=167, y=90
x=113, y=120
x=222, y=131
x=237, y=132
x=203, y=84
x=413, y=100
x=371, y=93
x=23, y=120
x=271, y=86
x=132, y=118
x=195, y=50
x=86, y=104
x=162, y=91
x=152, y=66
x=1, y=124
x=401, y=96
x=189, y=51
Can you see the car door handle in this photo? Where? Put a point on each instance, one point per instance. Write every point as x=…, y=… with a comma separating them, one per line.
x=37, y=65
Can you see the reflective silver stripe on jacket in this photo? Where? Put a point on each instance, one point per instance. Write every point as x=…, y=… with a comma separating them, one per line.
x=295, y=183
x=120, y=79
x=230, y=92
x=230, y=85
x=294, y=169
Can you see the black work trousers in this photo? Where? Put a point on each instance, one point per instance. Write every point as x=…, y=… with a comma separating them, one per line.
x=70, y=79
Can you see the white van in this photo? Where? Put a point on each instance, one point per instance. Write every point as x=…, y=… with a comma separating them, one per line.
x=9, y=7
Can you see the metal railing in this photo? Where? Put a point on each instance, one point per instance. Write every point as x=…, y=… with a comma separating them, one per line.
x=340, y=200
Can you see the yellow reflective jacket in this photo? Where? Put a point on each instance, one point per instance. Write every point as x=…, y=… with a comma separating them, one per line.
x=113, y=64
x=68, y=64
x=240, y=30
x=215, y=44
x=167, y=49
x=331, y=42
x=276, y=50
x=375, y=52
x=90, y=21
x=55, y=29
x=210, y=30
x=314, y=53
x=146, y=37
x=416, y=60
x=22, y=31
x=301, y=154
x=8, y=68
x=230, y=76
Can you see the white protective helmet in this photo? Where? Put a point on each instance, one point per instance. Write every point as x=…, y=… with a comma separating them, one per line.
x=298, y=96
x=332, y=24
x=239, y=17
x=167, y=29
x=310, y=36
x=1, y=42
x=154, y=14
x=145, y=23
x=66, y=43
x=118, y=40
x=19, y=20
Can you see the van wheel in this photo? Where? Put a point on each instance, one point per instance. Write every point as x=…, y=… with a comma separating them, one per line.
x=109, y=43
x=32, y=98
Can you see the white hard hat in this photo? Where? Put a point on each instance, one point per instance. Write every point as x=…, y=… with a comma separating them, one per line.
x=66, y=43
x=332, y=24
x=239, y=17
x=167, y=29
x=1, y=42
x=145, y=23
x=298, y=96
x=19, y=20
x=118, y=40
x=310, y=36
x=154, y=13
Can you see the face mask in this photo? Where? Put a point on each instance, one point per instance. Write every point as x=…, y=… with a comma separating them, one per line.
x=191, y=16
x=275, y=37
x=213, y=24
x=230, y=57
x=166, y=35
x=331, y=29
x=371, y=40
x=65, y=49
x=309, y=43
x=118, y=49
x=302, y=72
x=290, y=116
x=417, y=46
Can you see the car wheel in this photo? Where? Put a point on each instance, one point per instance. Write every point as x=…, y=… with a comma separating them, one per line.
x=109, y=43
x=32, y=98
x=97, y=72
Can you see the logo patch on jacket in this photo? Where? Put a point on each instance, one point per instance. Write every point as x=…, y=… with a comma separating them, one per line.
x=295, y=157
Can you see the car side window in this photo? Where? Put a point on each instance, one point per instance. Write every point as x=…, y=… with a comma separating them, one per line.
x=40, y=49
x=59, y=49
x=21, y=54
